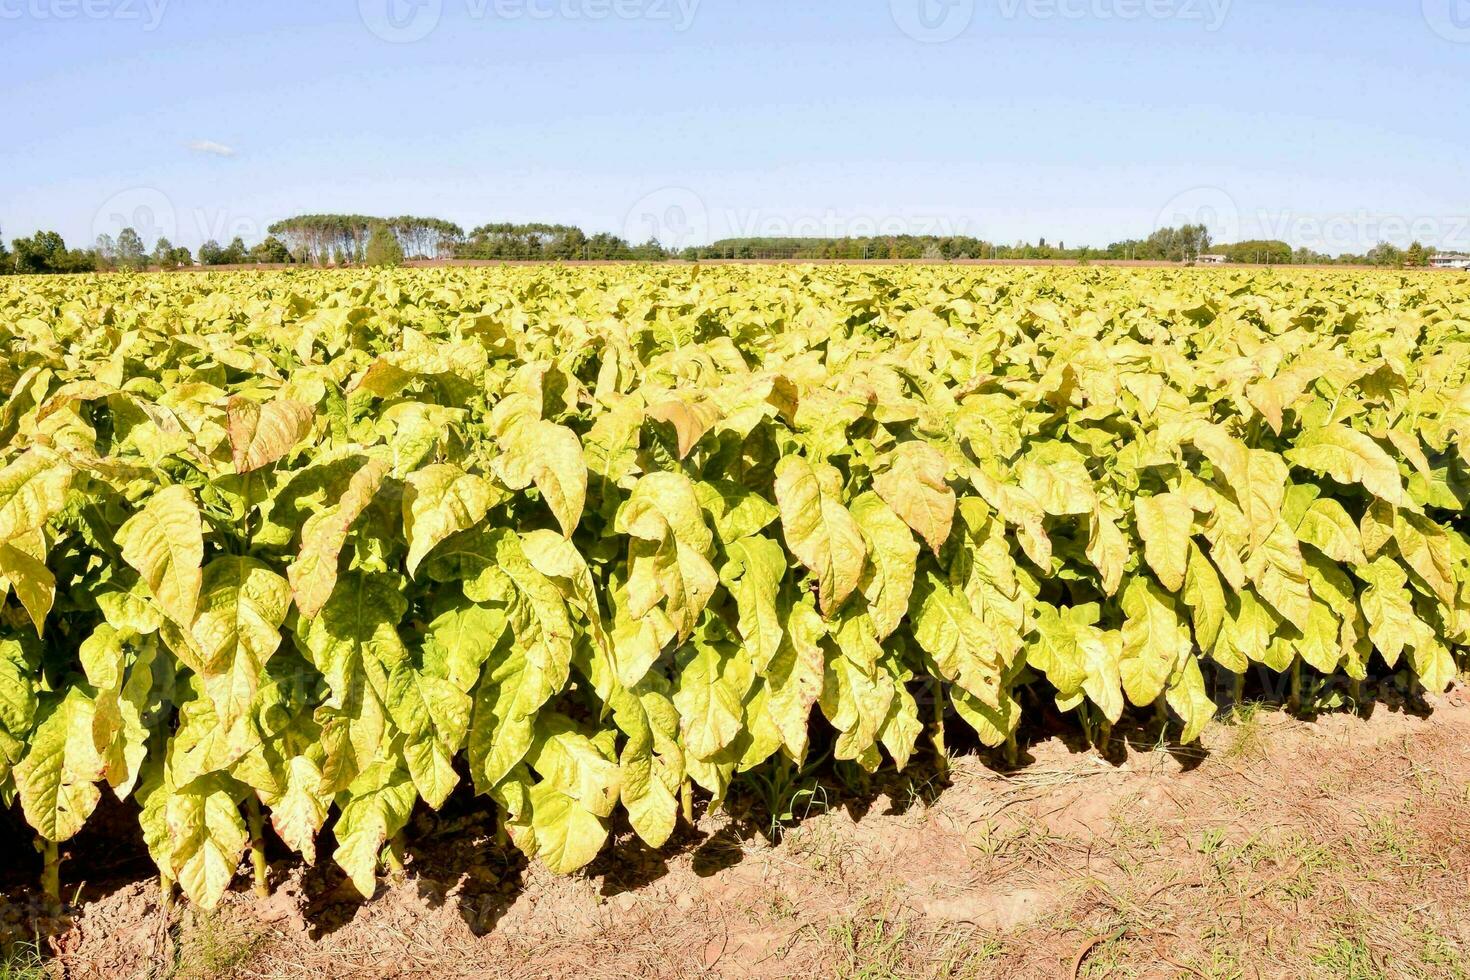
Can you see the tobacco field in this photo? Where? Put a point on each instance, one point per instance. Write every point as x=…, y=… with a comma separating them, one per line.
x=312, y=549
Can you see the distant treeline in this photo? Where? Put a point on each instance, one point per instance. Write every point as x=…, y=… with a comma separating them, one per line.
x=356, y=239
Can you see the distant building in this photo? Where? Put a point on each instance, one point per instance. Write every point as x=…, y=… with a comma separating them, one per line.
x=1211, y=259
x=1449, y=260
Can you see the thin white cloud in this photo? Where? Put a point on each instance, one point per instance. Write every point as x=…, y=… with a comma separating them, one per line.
x=212, y=148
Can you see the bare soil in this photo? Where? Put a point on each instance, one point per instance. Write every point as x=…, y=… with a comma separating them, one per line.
x=1279, y=848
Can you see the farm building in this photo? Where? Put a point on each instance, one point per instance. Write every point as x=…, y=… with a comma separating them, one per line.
x=1450, y=260
x=1211, y=259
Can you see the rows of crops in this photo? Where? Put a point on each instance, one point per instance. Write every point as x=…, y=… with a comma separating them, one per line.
x=310, y=548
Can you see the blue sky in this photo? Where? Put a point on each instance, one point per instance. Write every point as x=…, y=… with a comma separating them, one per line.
x=1330, y=124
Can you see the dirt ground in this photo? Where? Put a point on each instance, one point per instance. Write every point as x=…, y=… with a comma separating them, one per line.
x=1278, y=848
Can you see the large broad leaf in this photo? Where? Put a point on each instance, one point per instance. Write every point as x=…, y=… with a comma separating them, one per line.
x=753, y=575
x=914, y=486
x=438, y=501
x=669, y=551
x=374, y=808
x=32, y=489
x=1156, y=642
x=241, y=607
x=208, y=837
x=261, y=434
x=57, y=778
x=313, y=574
x=550, y=456
x=165, y=543
x=1348, y=456
x=964, y=648
x=819, y=530
x=1165, y=523
x=888, y=578
x=23, y=568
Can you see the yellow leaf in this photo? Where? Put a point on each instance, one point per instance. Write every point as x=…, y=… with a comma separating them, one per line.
x=819, y=530
x=261, y=434
x=164, y=542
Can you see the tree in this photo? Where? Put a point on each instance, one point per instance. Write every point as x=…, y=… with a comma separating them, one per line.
x=40, y=253
x=272, y=251
x=235, y=253
x=1417, y=257
x=210, y=253
x=383, y=247
x=6, y=266
x=106, y=250
x=1385, y=254
x=130, y=251
x=163, y=253
x=179, y=257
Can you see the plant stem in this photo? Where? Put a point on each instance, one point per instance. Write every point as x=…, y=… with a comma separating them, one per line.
x=1294, y=700
x=51, y=877
x=941, y=752
x=1013, y=751
x=1355, y=692
x=256, y=824
x=1104, y=736
x=1237, y=696
x=1161, y=716
x=686, y=801
x=396, y=847
x=166, y=890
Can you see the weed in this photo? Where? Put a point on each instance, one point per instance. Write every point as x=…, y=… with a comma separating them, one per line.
x=22, y=962
x=1347, y=958
x=210, y=947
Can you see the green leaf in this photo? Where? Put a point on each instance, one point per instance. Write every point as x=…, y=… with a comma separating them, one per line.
x=57, y=778
x=208, y=837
